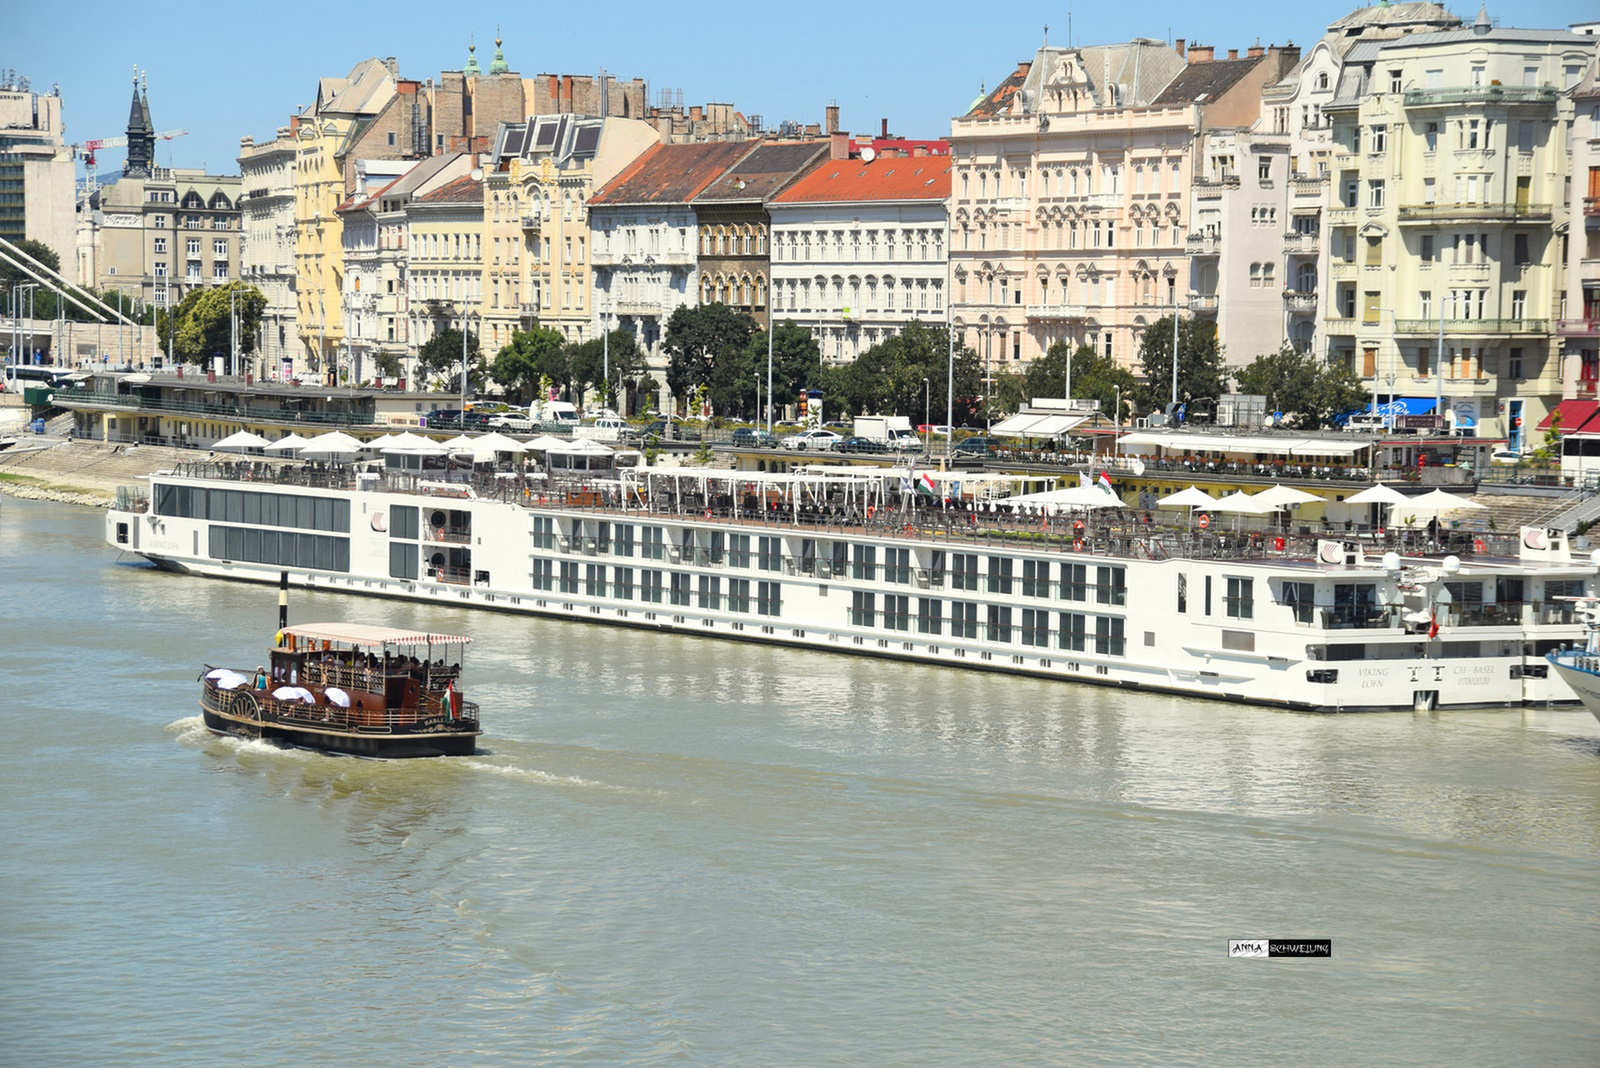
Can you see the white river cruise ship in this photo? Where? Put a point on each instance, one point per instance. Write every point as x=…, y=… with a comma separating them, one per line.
x=856, y=561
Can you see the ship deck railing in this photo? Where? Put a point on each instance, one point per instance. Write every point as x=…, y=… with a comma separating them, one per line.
x=431, y=713
x=1124, y=532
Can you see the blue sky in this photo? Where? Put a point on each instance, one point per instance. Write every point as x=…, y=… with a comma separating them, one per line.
x=225, y=70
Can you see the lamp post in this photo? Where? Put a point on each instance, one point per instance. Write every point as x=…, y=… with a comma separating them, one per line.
x=464, y=314
x=233, y=330
x=771, y=327
x=605, y=347
x=1189, y=303
x=927, y=400
x=950, y=383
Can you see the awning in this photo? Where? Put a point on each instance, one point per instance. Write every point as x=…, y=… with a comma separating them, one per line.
x=1406, y=406
x=1247, y=444
x=1573, y=413
x=1030, y=425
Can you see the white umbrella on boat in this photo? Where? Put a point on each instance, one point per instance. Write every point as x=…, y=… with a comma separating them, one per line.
x=288, y=443
x=1379, y=494
x=1242, y=504
x=337, y=696
x=460, y=441
x=1285, y=497
x=494, y=441
x=1440, y=501
x=544, y=443
x=227, y=678
x=1193, y=497
x=1070, y=497
x=244, y=439
x=405, y=439
x=333, y=443
x=581, y=447
x=294, y=693
x=419, y=447
x=380, y=441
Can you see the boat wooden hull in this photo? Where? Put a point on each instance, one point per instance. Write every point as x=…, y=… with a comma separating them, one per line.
x=386, y=746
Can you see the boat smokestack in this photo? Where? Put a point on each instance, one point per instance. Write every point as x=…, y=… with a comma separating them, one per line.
x=283, y=599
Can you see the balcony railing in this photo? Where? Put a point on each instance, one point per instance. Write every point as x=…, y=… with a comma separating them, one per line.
x=1301, y=243
x=86, y=398
x=1202, y=244
x=1011, y=204
x=532, y=217
x=1481, y=94
x=1486, y=212
x=1300, y=303
x=1591, y=205
x=1057, y=311
x=1473, y=326
x=1204, y=303
x=1578, y=327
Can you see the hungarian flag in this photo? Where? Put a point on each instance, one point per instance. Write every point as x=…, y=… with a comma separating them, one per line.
x=926, y=487
x=450, y=699
x=1433, y=625
x=1104, y=483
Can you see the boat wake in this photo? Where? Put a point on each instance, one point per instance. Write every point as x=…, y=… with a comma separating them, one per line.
x=511, y=771
x=191, y=731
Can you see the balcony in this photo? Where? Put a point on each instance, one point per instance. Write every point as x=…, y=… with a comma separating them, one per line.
x=528, y=309
x=1342, y=216
x=1057, y=311
x=1204, y=304
x=637, y=307
x=603, y=257
x=1011, y=204
x=1202, y=244
x=1299, y=303
x=1437, y=213
x=1307, y=185
x=1591, y=206
x=532, y=217
x=1301, y=244
x=1229, y=180
x=1456, y=327
x=1481, y=94
x=1578, y=327
x=1102, y=200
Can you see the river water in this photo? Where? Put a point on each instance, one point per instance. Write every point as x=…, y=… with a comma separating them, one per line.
x=674, y=851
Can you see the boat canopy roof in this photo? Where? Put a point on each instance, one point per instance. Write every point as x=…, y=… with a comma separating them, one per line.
x=360, y=634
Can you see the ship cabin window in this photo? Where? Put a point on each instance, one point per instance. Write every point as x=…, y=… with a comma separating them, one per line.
x=622, y=583
x=930, y=613
x=1508, y=589
x=770, y=553
x=897, y=566
x=1000, y=622
x=1072, y=631
x=1074, y=582
x=1035, y=627
x=715, y=549
x=865, y=563
x=544, y=532
x=253, y=545
x=1300, y=597
x=1035, y=578
x=1110, y=585
x=602, y=537
x=568, y=581
x=686, y=542
x=1183, y=593
x=963, y=571
x=841, y=558
x=862, y=608
x=769, y=598
x=402, y=560
x=680, y=588
x=936, y=568
x=897, y=611
x=710, y=591
x=650, y=586
x=739, y=552
x=1355, y=604
x=1108, y=637
x=1240, y=601
x=652, y=541
x=544, y=575
x=403, y=523
x=594, y=580
x=739, y=595
x=1206, y=609
x=623, y=535
x=963, y=619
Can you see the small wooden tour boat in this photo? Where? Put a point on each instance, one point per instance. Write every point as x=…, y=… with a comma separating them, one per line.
x=348, y=688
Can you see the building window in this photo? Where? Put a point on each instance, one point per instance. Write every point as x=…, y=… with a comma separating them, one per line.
x=161, y=245
x=220, y=249
x=1380, y=139
x=1240, y=598
x=1375, y=192
x=192, y=246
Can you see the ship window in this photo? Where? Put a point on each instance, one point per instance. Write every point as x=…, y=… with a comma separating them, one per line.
x=771, y=552
x=1072, y=631
x=1108, y=637
x=769, y=598
x=963, y=618
x=1183, y=593
x=1110, y=585
x=594, y=580
x=1000, y=574
x=865, y=564
x=1240, y=600
x=1035, y=627
x=963, y=571
x=402, y=560
x=567, y=581
x=930, y=612
x=680, y=587
x=1074, y=582
x=623, y=533
x=862, y=608
x=739, y=592
x=650, y=585
x=403, y=523
x=897, y=612
x=1000, y=622
x=1301, y=599
x=1035, y=578
x=622, y=583
x=544, y=577
x=739, y=552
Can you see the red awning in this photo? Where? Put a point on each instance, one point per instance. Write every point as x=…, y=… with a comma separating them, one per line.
x=1574, y=413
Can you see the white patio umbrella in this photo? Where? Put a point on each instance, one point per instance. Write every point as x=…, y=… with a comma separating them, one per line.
x=1070, y=497
x=407, y=438
x=1193, y=497
x=289, y=443
x=545, y=442
x=460, y=441
x=1379, y=494
x=419, y=447
x=333, y=443
x=1242, y=504
x=498, y=442
x=1440, y=501
x=337, y=696
x=242, y=440
x=380, y=441
x=1285, y=497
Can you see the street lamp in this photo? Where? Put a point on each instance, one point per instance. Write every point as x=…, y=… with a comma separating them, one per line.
x=927, y=399
x=464, y=314
x=1192, y=294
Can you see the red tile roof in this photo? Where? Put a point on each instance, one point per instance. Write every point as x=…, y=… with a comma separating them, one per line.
x=766, y=170
x=671, y=174
x=1000, y=98
x=885, y=178
x=467, y=190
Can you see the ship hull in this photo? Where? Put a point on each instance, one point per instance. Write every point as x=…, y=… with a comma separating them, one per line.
x=372, y=746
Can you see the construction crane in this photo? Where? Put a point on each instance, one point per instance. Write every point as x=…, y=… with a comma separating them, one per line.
x=86, y=151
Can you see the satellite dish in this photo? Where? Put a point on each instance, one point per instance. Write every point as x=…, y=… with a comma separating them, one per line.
x=477, y=174
x=868, y=155
x=1138, y=467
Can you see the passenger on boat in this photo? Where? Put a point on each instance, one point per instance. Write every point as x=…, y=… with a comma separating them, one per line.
x=261, y=678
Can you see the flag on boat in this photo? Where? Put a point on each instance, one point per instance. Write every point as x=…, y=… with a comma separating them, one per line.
x=926, y=487
x=1105, y=483
x=1433, y=626
x=1083, y=480
x=905, y=483
x=450, y=699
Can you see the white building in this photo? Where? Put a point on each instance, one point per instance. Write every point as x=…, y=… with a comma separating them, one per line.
x=859, y=249
x=266, y=254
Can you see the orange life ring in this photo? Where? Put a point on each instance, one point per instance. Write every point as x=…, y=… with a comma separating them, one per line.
x=908, y=528
x=1077, y=526
x=871, y=511
x=708, y=513
x=1478, y=545
x=972, y=519
x=541, y=498
x=1077, y=545
x=1204, y=521
x=438, y=533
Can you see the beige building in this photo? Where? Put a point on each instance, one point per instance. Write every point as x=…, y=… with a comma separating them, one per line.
x=1449, y=202
x=162, y=236
x=1579, y=321
x=267, y=176
x=36, y=171
x=444, y=273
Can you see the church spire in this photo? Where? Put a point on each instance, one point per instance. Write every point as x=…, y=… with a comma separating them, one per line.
x=499, y=64
x=472, y=58
x=141, y=134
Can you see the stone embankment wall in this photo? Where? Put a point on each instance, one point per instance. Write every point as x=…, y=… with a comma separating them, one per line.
x=80, y=472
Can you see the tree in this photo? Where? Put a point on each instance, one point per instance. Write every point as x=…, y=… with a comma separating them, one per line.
x=1094, y=377
x=593, y=366
x=1309, y=391
x=532, y=356
x=1200, y=372
x=796, y=365
x=38, y=250
x=889, y=376
x=441, y=354
x=200, y=327
x=703, y=345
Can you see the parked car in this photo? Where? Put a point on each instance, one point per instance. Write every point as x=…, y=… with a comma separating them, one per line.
x=938, y=430
x=837, y=425
x=1505, y=456
x=444, y=417
x=811, y=439
x=673, y=431
x=859, y=444
x=514, y=421
x=754, y=437
x=979, y=446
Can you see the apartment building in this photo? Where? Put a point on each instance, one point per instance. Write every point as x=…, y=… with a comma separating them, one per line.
x=444, y=274
x=1578, y=325
x=1449, y=199
x=859, y=246
x=266, y=255
x=36, y=171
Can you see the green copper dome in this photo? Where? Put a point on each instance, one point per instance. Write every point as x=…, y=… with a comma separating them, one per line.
x=499, y=64
x=472, y=59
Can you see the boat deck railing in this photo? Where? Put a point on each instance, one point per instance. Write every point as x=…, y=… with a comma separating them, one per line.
x=431, y=716
x=1125, y=532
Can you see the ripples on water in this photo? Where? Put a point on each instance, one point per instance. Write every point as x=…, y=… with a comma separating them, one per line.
x=674, y=851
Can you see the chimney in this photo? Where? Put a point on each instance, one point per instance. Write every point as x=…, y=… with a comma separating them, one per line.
x=831, y=123
x=1233, y=53
x=885, y=129
x=839, y=146
x=1200, y=53
x=1256, y=51
x=393, y=65
x=1179, y=46
x=919, y=150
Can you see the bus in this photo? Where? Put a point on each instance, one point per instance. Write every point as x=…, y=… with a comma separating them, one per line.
x=20, y=376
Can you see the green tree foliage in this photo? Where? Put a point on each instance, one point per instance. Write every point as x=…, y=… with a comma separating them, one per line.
x=1308, y=390
x=593, y=367
x=888, y=378
x=441, y=356
x=38, y=250
x=796, y=365
x=200, y=327
x=1200, y=371
x=1094, y=377
x=532, y=356
x=704, y=347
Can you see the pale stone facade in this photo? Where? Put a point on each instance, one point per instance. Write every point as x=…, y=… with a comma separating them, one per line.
x=36, y=173
x=1449, y=199
x=1579, y=322
x=444, y=264
x=160, y=237
x=267, y=249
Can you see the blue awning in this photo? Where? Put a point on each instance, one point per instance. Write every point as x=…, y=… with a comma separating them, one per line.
x=1405, y=406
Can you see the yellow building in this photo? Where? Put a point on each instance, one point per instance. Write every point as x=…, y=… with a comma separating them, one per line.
x=444, y=275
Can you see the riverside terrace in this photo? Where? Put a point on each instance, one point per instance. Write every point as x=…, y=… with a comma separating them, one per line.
x=846, y=502
x=197, y=409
